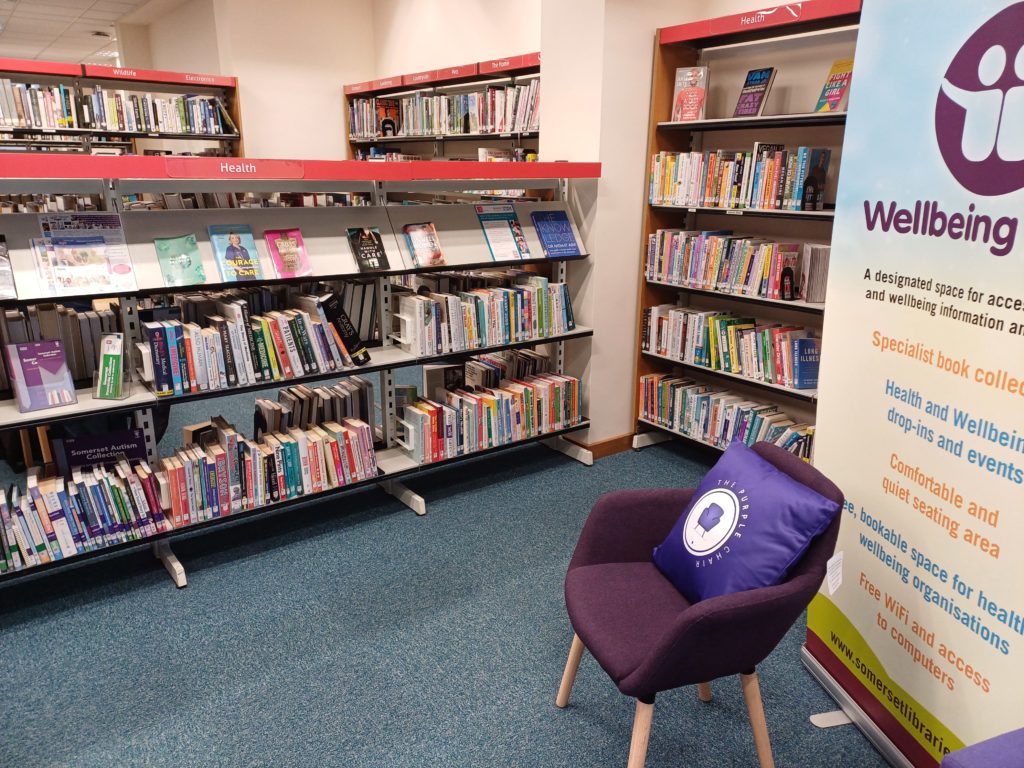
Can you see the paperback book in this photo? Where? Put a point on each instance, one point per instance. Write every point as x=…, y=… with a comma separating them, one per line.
x=110, y=380
x=557, y=238
x=836, y=89
x=288, y=252
x=368, y=249
x=7, y=289
x=424, y=244
x=40, y=375
x=503, y=232
x=180, y=261
x=754, y=92
x=82, y=253
x=689, y=94
x=235, y=250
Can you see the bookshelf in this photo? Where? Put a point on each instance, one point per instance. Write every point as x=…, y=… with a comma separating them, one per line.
x=459, y=230
x=43, y=130
x=365, y=137
x=801, y=45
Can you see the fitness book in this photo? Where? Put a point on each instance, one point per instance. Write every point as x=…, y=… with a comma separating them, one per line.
x=503, y=232
x=754, y=92
x=689, y=94
x=368, y=249
x=555, y=232
x=235, y=250
x=424, y=244
x=180, y=261
x=288, y=252
x=40, y=375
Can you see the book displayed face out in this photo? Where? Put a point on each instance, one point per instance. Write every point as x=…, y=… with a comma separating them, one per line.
x=556, y=235
x=755, y=92
x=368, y=249
x=503, y=232
x=690, y=93
x=288, y=252
x=39, y=373
x=424, y=244
x=235, y=251
x=180, y=261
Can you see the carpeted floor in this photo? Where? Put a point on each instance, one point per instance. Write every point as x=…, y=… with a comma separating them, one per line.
x=356, y=634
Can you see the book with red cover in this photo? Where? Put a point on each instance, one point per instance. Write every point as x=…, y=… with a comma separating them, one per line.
x=690, y=91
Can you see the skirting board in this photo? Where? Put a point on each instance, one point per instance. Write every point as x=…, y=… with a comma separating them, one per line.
x=606, y=447
x=867, y=726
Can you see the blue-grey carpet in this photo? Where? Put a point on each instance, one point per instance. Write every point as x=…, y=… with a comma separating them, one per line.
x=356, y=634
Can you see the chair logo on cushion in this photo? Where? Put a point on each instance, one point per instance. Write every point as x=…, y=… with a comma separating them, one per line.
x=713, y=520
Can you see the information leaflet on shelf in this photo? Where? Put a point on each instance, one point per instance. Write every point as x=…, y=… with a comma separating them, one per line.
x=921, y=410
x=83, y=253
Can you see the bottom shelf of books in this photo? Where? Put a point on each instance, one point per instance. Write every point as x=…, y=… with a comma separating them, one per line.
x=715, y=416
x=309, y=446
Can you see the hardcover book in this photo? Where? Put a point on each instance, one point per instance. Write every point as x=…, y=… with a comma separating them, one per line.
x=754, y=92
x=235, y=249
x=368, y=249
x=288, y=252
x=40, y=375
x=837, y=86
x=503, y=232
x=7, y=289
x=424, y=244
x=555, y=232
x=689, y=94
x=180, y=261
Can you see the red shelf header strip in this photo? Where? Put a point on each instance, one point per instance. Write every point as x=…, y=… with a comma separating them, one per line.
x=159, y=76
x=494, y=66
x=32, y=67
x=99, y=167
x=776, y=16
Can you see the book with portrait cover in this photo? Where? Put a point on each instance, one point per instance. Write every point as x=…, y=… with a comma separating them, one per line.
x=368, y=249
x=424, y=244
x=235, y=250
x=40, y=375
x=755, y=92
x=503, y=232
x=288, y=252
x=180, y=261
x=689, y=94
x=389, y=119
x=837, y=87
x=555, y=233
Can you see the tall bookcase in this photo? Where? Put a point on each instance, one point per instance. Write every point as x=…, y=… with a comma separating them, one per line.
x=477, y=76
x=42, y=135
x=801, y=41
x=324, y=231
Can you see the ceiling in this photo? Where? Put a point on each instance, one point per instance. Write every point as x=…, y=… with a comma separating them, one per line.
x=63, y=30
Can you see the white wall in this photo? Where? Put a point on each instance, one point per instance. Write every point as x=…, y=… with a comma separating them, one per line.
x=184, y=40
x=414, y=35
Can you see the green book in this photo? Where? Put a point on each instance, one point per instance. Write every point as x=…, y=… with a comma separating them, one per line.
x=180, y=261
x=262, y=355
x=111, y=360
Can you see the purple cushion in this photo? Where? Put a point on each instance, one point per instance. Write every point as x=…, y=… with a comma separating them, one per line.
x=620, y=610
x=746, y=525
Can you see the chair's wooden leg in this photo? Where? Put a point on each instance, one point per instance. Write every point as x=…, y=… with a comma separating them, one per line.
x=569, y=675
x=755, y=710
x=704, y=692
x=641, y=734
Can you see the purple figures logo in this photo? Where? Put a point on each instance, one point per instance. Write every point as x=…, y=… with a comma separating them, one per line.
x=979, y=114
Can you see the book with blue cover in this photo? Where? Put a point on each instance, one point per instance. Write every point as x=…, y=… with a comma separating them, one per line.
x=806, y=355
x=235, y=249
x=555, y=232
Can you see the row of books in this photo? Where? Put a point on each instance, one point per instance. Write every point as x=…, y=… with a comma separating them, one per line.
x=768, y=178
x=439, y=323
x=237, y=348
x=301, y=406
x=495, y=109
x=718, y=260
x=469, y=420
x=774, y=353
x=719, y=416
x=217, y=473
x=41, y=203
x=32, y=105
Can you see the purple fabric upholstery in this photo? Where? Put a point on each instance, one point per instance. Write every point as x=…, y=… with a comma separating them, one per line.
x=647, y=642
x=1006, y=751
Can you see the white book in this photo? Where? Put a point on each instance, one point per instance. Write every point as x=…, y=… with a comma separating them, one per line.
x=300, y=440
x=240, y=350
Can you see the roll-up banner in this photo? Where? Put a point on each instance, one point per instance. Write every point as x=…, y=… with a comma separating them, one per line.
x=921, y=413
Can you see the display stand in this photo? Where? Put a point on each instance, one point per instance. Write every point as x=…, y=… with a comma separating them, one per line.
x=323, y=230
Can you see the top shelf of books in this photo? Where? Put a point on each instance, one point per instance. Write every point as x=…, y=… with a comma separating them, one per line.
x=790, y=19
x=257, y=169
x=527, y=63
x=96, y=72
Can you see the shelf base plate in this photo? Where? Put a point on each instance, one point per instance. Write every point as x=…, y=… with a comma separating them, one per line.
x=162, y=552
x=645, y=439
x=572, y=450
x=404, y=494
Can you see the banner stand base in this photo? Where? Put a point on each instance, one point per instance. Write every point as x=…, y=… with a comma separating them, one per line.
x=831, y=719
x=867, y=726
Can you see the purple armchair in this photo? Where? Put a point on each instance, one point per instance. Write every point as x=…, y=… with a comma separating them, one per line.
x=645, y=634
